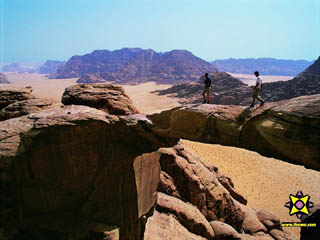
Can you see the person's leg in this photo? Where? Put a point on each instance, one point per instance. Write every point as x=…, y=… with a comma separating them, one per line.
x=255, y=95
x=208, y=95
x=259, y=98
x=204, y=96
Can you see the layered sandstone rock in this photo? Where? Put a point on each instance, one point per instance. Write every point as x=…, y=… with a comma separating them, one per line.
x=70, y=171
x=193, y=202
x=25, y=107
x=106, y=97
x=10, y=95
x=204, y=123
x=287, y=130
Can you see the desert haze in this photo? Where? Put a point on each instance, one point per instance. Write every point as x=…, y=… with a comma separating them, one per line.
x=266, y=182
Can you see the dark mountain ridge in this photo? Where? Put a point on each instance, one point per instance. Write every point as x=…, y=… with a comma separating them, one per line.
x=266, y=66
x=137, y=65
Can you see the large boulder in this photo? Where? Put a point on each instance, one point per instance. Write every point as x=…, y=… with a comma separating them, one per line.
x=163, y=226
x=70, y=170
x=10, y=95
x=224, y=231
x=203, y=123
x=287, y=130
x=188, y=215
x=199, y=186
x=106, y=97
x=25, y=107
x=193, y=193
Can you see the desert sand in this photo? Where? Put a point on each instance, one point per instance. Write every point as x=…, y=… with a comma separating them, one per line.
x=251, y=79
x=266, y=182
x=141, y=95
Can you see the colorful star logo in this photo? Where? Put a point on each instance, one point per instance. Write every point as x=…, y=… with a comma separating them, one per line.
x=299, y=204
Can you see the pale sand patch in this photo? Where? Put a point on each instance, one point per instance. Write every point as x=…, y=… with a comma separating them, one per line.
x=141, y=95
x=250, y=79
x=266, y=182
x=42, y=86
x=148, y=102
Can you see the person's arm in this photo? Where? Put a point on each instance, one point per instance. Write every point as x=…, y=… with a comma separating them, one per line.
x=256, y=85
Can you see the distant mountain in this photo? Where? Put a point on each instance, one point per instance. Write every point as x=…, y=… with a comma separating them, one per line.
x=3, y=78
x=314, y=68
x=305, y=83
x=50, y=67
x=266, y=66
x=227, y=89
x=90, y=78
x=22, y=67
x=137, y=65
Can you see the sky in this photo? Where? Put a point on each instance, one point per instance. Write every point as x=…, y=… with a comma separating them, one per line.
x=37, y=30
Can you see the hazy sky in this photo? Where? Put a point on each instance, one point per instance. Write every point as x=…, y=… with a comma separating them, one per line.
x=37, y=30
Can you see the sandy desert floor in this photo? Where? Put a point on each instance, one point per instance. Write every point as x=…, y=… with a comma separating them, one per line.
x=266, y=182
x=141, y=95
x=251, y=79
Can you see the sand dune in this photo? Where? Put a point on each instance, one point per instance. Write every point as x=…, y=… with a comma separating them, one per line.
x=266, y=182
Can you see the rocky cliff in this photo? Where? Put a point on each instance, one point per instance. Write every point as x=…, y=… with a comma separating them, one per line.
x=74, y=171
x=50, y=66
x=196, y=201
x=136, y=65
x=287, y=130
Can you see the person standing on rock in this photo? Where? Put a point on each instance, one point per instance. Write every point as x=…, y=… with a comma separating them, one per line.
x=257, y=89
x=207, y=89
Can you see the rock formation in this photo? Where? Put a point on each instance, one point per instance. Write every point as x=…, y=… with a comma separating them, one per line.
x=137, y=65
x=194, y=204
x=287, y=130
x=50, y=67
x=77, y=172
x=9, y=95
x=266, y=66
x=3, y=78
x=314, y=68
x=76, y=169
x=17, y=102
x=226, y=90
x=107, y=97
x=91, y=78
x=25, y=107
